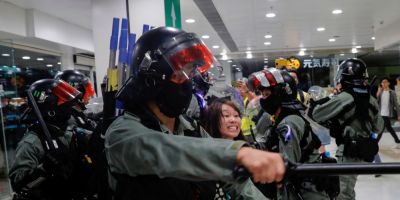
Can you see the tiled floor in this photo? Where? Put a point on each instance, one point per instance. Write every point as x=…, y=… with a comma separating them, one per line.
x=386, y=187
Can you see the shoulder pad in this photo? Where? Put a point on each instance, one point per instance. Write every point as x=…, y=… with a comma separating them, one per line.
x=130, y=116
x=30, y=137
x=285, y=132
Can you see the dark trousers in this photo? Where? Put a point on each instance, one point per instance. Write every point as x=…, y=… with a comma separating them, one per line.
x=389, y=128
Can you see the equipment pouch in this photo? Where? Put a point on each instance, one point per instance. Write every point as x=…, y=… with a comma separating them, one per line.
x=364, y=148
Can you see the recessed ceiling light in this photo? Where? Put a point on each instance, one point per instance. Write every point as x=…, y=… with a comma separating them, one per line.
x=337, y=11
x=39, y=59
x=267, y=43
x=332, y=40
x=265, y=58
x=190, y=21
x=270, y=15
x=320, y=29
x=215, y=47
x=229, y=61
x=237, y=68
x=372, y=38
x=268, y=36
x=311, y=56
x=205, y=36
x=249, y=56
x=358, y=47
x=49, y=65
x=224, y=57
x=265, y=61
x=26, y=57
x=5, y=54
x=248, y=52
x=342, y=54
x=354, y=50
x=233, y=65
x=59, y=63
x=303, y=49
x=302, y=53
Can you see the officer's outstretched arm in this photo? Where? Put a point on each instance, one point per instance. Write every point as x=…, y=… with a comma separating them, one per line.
x=152, y=152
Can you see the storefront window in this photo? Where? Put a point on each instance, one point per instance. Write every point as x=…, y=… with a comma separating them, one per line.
x=19, y=68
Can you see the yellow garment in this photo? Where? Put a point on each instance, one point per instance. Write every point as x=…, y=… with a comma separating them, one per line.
x=306, y=97
x=248, y=114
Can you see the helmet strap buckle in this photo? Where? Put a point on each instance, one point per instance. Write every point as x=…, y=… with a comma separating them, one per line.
x=51, y=113
x=146, y=62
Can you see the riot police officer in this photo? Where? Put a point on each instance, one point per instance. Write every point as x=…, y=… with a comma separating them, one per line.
x=45, y=158
x=352, y=116
x=82, y=83
x=290, y=133
x=149, y=153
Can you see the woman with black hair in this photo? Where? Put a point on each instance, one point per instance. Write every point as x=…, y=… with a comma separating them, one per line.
x=222, y=120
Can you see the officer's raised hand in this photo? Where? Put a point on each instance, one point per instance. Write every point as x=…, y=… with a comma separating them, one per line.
x=265, y=167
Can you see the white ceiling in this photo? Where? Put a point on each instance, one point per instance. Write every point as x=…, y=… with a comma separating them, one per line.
x=293, y=27
x=201, y=26
x=78, y=12
x=296, y=21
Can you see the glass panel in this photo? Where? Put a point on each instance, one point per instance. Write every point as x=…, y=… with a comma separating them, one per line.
x=19, y=68
x=7, y=114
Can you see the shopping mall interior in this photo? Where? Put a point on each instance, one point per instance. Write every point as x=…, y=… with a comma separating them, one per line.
x=39, y=38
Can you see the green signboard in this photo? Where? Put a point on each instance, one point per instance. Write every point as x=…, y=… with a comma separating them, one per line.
x=173, y=13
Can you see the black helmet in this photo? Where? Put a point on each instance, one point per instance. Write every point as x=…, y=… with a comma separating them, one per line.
x=55, y=99
x=282, y=86
x=78, y=81
x=167, y=59
x=352, y=71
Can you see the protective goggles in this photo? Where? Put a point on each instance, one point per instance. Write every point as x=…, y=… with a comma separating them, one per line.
x=187, y=56
x=264, y=79
x=64, y=92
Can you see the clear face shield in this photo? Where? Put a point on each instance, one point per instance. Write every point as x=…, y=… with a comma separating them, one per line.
x=187, y=56
x=338, y=75
x=65, y=93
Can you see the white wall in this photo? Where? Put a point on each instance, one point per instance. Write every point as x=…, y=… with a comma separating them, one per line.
x=141, y=12
x=12, y=19
x=103, y=12
x=54, y=29
x=149, y=12
x=387, y=35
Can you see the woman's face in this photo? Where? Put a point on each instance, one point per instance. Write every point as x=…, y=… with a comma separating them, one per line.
x=229, y=122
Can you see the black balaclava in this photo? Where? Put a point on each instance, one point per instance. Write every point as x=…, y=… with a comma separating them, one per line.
x=174, y=99
x=272, y=102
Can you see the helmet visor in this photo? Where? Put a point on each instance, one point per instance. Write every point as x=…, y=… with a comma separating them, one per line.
x=89, y=92
x=188, y=56
x=254, y=82
x=65, y=93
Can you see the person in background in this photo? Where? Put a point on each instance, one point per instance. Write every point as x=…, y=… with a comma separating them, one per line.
x=82, y=83
x=388, y=108
x=290, y=134
x=302, y=96
x=397, y=88
x=251, y=108
x=223, y=121
x=353, y=118
x=152, y=151
x=41, y=172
